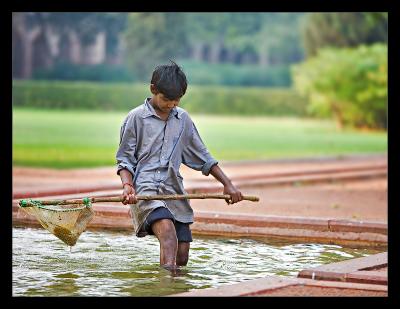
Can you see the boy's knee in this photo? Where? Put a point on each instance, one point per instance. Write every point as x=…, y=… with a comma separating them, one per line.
x=169, y=241
x=164, y=229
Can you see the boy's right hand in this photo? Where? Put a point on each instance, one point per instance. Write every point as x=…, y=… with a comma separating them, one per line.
x=129, y=195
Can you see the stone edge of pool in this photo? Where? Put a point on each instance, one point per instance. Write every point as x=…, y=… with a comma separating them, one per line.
x=268, y=286
x=365, y=276
x=321, y=230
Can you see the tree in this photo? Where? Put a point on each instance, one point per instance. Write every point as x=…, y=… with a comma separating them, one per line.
x=347, y=83
x=343, y=29
x=153, y=38
x=26, y=29
x=214, y=37
x=114, y=24
x=272, y=37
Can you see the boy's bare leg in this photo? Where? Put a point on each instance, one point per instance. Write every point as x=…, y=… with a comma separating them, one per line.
x=182, y=255
x=164, y=230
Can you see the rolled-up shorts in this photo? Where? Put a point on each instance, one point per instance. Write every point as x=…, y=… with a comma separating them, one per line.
x=183, y=232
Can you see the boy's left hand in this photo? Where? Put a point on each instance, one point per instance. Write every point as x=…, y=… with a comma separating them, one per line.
x=236, y=195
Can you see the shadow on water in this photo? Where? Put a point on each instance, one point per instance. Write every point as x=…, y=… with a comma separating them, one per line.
x=119, y=264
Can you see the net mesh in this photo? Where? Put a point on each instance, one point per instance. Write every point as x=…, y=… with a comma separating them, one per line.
x=67, y=222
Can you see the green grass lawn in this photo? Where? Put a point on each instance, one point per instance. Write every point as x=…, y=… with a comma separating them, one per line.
x=67, y=139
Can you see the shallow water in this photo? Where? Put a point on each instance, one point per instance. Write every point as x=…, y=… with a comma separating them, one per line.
x=104, y=263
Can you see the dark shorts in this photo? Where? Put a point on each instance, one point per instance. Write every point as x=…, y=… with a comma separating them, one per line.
x=183, y=232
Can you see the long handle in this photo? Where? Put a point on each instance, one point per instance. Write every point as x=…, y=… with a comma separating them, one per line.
x=28, y=203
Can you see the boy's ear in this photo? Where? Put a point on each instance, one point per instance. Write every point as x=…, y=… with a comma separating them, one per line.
x=153, y=89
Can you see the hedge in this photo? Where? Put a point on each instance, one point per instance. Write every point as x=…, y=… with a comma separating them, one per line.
x=125, y=96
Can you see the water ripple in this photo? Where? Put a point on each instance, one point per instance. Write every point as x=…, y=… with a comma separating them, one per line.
x=120, y=264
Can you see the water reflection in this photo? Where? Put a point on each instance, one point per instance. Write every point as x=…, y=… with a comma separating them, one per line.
x=119, y=264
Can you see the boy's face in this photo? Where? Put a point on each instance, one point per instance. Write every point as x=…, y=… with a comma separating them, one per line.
x=161, y=103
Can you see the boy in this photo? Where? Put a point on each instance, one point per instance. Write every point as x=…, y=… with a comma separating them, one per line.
x=155, y=138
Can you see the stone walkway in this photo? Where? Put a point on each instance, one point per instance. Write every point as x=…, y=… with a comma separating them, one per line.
x=282, y=186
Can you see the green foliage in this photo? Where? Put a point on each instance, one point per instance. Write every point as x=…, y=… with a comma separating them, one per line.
x=86, y=24
x=77, y=95
x=350, y=84
x=203, y=73
x=343, y=29
x=99, y=72
x=125, y=96
x=266, y=39
x=244, y=101
x=152, y=39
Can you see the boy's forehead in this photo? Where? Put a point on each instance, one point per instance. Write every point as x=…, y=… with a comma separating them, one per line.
x=166, y=97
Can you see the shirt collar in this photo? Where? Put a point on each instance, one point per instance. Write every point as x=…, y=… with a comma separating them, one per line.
x=149, y=110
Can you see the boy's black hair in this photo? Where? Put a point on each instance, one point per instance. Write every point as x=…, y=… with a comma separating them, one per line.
x=170, y=80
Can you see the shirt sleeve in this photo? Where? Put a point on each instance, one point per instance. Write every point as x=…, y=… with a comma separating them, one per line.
x=125, y=155
x=195, y=154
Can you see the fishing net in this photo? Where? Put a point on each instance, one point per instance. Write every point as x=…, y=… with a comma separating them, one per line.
x=67, y=219
x=67, y=222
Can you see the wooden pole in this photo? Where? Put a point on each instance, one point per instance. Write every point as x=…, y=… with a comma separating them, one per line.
x=28, y=203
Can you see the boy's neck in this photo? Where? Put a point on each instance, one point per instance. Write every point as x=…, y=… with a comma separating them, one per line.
x=163, y=116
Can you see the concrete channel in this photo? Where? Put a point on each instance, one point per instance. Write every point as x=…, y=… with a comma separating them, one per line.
x=357, y=277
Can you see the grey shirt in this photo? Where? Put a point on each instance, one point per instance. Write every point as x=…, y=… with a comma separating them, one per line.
x=152, y=150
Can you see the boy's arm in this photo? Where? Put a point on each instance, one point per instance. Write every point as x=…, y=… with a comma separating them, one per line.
x=196, y=156
x=229, y=188
x=126, y=160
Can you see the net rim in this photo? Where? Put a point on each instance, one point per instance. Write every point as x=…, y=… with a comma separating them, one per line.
x=51, y=208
